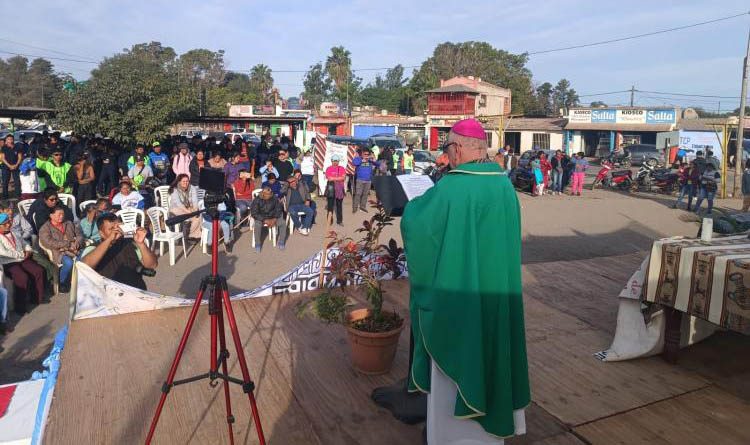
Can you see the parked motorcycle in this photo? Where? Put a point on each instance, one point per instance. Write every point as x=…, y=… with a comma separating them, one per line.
x=652, y=178
x=618, y=160
x=621, y=179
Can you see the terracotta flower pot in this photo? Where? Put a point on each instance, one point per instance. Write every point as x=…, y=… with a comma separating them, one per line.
x=372, y=352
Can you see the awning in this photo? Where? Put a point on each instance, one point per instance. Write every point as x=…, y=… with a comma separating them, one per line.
x=618, y=127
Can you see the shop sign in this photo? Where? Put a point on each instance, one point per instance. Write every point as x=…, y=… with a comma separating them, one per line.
x=660, y=116
x=437, y=122
x=583, y=116
x=604, y=116
x=264, y=110
x=631, y=116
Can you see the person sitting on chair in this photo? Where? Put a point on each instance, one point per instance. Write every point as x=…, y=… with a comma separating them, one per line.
x=298, y=201
x=64, y=240
x=243, y=192
x=27, y=276
x=274, y=184
x=127, y=198
x=117, y=258
x=267, y=211
x=40, y=209
x=183, y=199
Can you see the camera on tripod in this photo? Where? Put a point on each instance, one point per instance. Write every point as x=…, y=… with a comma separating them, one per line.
x=212, y=181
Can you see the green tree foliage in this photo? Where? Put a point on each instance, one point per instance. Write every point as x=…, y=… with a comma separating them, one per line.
x=597, y=103
x=387, y=92
x=339, y=66
x=133, y=96
x=317, y=86
x=564, y=96
x=261, y=82
x=201, y=68
x=479, y=59
x=24, y=84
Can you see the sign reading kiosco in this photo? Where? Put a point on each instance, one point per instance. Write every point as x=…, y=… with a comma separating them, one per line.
x=622, y=116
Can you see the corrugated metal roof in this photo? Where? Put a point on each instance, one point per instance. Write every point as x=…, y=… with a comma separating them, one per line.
x=618, y=127
x=454, y=89
x=699, y=124
x=536, y=123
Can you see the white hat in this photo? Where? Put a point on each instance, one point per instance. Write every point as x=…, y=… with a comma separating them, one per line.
x=335, y=158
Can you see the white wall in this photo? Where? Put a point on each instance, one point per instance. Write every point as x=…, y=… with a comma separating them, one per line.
x=555, y=140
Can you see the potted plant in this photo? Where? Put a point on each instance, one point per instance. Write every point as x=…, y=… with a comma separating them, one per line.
x=373, y=332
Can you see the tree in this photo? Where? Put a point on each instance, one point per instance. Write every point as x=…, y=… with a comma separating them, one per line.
x=133, y=96
x=317, y=86
x=24, y=84
x=597, y=104
x=479, y=59
x=201, y=68
x=261, y=82
x=386, y=92
x=544, y=99
x=564, y=96
x=339, y=66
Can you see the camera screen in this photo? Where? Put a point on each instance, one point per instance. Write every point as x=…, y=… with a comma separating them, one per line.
x=212, y=181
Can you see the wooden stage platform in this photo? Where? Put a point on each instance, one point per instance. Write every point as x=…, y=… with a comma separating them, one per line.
x=113, y=368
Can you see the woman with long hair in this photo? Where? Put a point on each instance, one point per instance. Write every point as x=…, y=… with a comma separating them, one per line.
x=183, y=198
x=198, y=162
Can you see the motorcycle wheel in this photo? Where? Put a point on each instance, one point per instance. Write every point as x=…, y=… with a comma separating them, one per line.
x=625, y=185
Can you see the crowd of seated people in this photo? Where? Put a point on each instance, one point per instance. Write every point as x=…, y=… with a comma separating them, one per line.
x=40, y=242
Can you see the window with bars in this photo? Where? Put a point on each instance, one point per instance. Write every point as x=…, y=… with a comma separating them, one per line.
x=540, y=141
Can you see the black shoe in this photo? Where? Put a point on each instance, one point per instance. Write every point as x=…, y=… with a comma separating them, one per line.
x=354, y=211
x=63, y=288
x=5, y=328
x=228, y=247
x=46, y=299
x=340, y=224
x=364, y=210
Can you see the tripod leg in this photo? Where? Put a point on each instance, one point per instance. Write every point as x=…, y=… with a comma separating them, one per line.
x=173, y=370
x=247, y=387
x=225, y=354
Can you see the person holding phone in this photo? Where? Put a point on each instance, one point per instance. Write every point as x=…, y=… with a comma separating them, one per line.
x=118, y=258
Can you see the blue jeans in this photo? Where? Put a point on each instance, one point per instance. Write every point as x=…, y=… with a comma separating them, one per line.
x=308, y=181
x=66, y=269
x=557, y=179
x=708, y=196
x=225, y=228
x=688, y=189
x=3, y=305
x=294, y=208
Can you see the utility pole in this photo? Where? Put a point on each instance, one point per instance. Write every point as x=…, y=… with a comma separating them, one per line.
x=632, y=93
x=741, y=125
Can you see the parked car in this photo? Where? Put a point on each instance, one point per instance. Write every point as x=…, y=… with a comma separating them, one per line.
x=388, y=141
x=423, y=159
x=644, y=153
x=526, y=156
x=191, y=133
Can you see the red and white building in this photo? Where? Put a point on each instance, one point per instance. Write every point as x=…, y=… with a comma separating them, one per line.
x=462, y=98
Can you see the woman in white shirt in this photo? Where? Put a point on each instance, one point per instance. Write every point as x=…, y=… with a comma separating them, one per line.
x=127, y=198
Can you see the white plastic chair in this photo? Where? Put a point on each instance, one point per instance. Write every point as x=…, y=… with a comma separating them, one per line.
x=83, y=205
x=68, y=200
x=161, y=197
x=132, y=216
x=201, y=196
x=23, y=206
x=290, y=222
x=156, y=215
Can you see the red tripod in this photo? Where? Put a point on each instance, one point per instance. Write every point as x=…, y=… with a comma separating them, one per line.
x=216, y=287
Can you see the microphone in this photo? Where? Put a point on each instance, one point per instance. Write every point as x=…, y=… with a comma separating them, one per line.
x=181, y=218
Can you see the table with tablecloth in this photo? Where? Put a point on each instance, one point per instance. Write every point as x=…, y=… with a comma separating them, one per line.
x=697, y=286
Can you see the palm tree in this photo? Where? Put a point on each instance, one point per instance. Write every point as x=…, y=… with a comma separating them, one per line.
x=338, y=65
x=261, y=80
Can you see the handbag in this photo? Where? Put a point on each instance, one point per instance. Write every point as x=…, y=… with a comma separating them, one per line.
x=330, y=190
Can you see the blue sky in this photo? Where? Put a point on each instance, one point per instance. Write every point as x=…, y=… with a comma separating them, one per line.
x=292, y=35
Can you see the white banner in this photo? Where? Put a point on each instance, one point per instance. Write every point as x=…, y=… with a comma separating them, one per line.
x=631, y=116
x=582, y=116
x=96, y=296
x=332, y=148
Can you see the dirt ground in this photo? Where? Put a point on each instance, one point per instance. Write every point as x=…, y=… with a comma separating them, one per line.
x=598, y=224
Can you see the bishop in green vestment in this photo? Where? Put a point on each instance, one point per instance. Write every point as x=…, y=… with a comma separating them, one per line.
x=463, y=249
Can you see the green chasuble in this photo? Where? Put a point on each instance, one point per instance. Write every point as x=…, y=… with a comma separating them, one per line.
x=463, y=249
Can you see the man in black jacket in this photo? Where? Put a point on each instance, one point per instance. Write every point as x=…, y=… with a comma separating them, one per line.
x=268, y=211
x=283, y=165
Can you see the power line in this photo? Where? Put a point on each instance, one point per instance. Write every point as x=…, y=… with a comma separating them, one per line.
x=604, y=94
x=689, y=95
x=48, y=57
x=44, y=49
x=637, y=36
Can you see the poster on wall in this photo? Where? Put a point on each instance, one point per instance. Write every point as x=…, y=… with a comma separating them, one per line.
x=581, y=116
x=631, y=116
x=695, y=141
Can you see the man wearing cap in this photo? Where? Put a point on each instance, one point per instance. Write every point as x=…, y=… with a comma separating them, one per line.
x=57, y=170
x=140, y=172
x=159, y=162
x=466, y=303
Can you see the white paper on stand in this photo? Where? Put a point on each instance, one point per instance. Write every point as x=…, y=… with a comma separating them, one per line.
x=414, y=185
x=707, y=230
